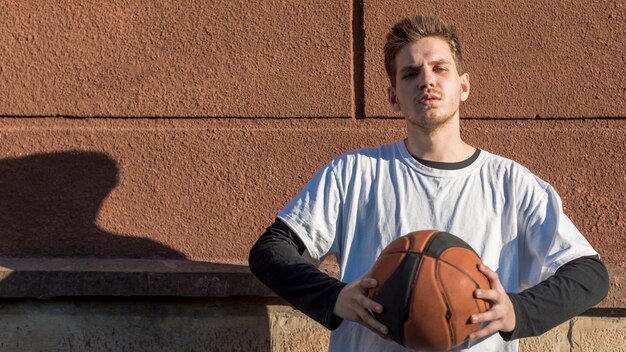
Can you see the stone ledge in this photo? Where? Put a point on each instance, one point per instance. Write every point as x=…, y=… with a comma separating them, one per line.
x=46, y=278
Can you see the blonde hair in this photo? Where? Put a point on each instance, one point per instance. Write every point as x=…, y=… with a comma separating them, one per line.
x=413, y=28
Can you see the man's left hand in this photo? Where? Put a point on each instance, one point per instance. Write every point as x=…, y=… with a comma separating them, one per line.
x=501, y=315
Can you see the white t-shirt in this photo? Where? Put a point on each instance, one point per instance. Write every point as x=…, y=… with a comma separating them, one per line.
x=362, y=200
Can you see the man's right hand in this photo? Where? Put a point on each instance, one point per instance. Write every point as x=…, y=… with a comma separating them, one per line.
x=353, y=304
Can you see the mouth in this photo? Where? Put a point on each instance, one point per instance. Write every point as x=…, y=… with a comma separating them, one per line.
x=429, y=98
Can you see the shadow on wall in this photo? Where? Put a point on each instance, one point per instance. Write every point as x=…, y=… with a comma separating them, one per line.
x=49, y=207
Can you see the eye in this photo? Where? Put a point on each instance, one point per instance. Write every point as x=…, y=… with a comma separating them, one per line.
x=439, y=68
x=410, y=74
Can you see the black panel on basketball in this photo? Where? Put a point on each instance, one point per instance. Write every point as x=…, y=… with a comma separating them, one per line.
x=437, y=244
x=397, y=289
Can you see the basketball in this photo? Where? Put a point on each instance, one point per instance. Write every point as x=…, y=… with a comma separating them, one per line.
x=426, y=281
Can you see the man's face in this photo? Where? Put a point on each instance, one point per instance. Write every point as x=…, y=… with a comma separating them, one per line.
x=428, y=87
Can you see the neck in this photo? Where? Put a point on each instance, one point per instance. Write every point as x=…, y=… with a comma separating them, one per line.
x=443, y=144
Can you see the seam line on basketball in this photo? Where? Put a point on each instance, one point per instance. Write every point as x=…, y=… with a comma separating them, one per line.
x=444, y=295
x=466, y=274
x=462, y=271
x=401, y=251
x=429, y=243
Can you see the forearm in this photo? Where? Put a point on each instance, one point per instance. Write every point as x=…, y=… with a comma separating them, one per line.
x=276, y=259
x=574, y=288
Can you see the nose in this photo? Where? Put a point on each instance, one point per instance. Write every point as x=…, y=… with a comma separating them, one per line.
x=428, y=79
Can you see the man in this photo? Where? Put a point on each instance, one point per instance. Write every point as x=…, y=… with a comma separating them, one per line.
x=545, y=272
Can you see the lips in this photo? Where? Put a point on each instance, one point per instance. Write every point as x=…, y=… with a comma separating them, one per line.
x=429, y=98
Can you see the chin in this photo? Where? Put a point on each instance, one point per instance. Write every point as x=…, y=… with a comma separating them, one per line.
x=430, y=123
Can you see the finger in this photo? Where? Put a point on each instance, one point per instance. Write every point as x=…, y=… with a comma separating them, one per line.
x=490, y=274
x=491, y=295
x=367, y=283
x=489, y=315
x=487, y=330
x=370, y=322
x=369, y=304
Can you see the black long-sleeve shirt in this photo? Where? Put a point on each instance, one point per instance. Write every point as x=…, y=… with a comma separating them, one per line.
x=276, y=259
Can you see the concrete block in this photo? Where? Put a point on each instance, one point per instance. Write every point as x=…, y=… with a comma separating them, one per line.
x=599, y=334
x=205, y=190
x=555, y=340
x=172, y=58
x=552, y=63
x=45, y=278
x=134, y=325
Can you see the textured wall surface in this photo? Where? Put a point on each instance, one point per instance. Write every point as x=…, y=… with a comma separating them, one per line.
x=177, y=129
x=206, y=189
x=561, y=61
x=175, y=58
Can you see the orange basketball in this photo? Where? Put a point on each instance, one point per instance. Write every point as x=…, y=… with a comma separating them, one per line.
x=426, y=281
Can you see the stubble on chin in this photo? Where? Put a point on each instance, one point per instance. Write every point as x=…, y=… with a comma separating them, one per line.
x=429, y=119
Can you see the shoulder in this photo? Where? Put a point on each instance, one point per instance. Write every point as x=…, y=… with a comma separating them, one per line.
x=511, y=170
x=364, y=157
x=528, y=188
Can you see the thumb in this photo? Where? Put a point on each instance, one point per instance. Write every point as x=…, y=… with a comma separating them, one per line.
x=368, y=283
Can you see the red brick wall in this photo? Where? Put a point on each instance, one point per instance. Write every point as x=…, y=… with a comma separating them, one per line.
x=178, y=128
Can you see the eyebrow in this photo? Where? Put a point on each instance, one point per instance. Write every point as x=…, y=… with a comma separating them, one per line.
x=410, y=68
x=440, y=61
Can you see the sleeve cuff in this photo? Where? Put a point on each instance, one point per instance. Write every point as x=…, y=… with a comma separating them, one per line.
x=334, y=320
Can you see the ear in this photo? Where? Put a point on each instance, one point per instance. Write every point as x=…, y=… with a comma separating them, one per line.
x=393, y=99
x=465, y=86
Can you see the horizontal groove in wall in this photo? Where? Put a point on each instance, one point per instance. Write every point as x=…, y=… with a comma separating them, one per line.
x=605, y=312
x=302, y=118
